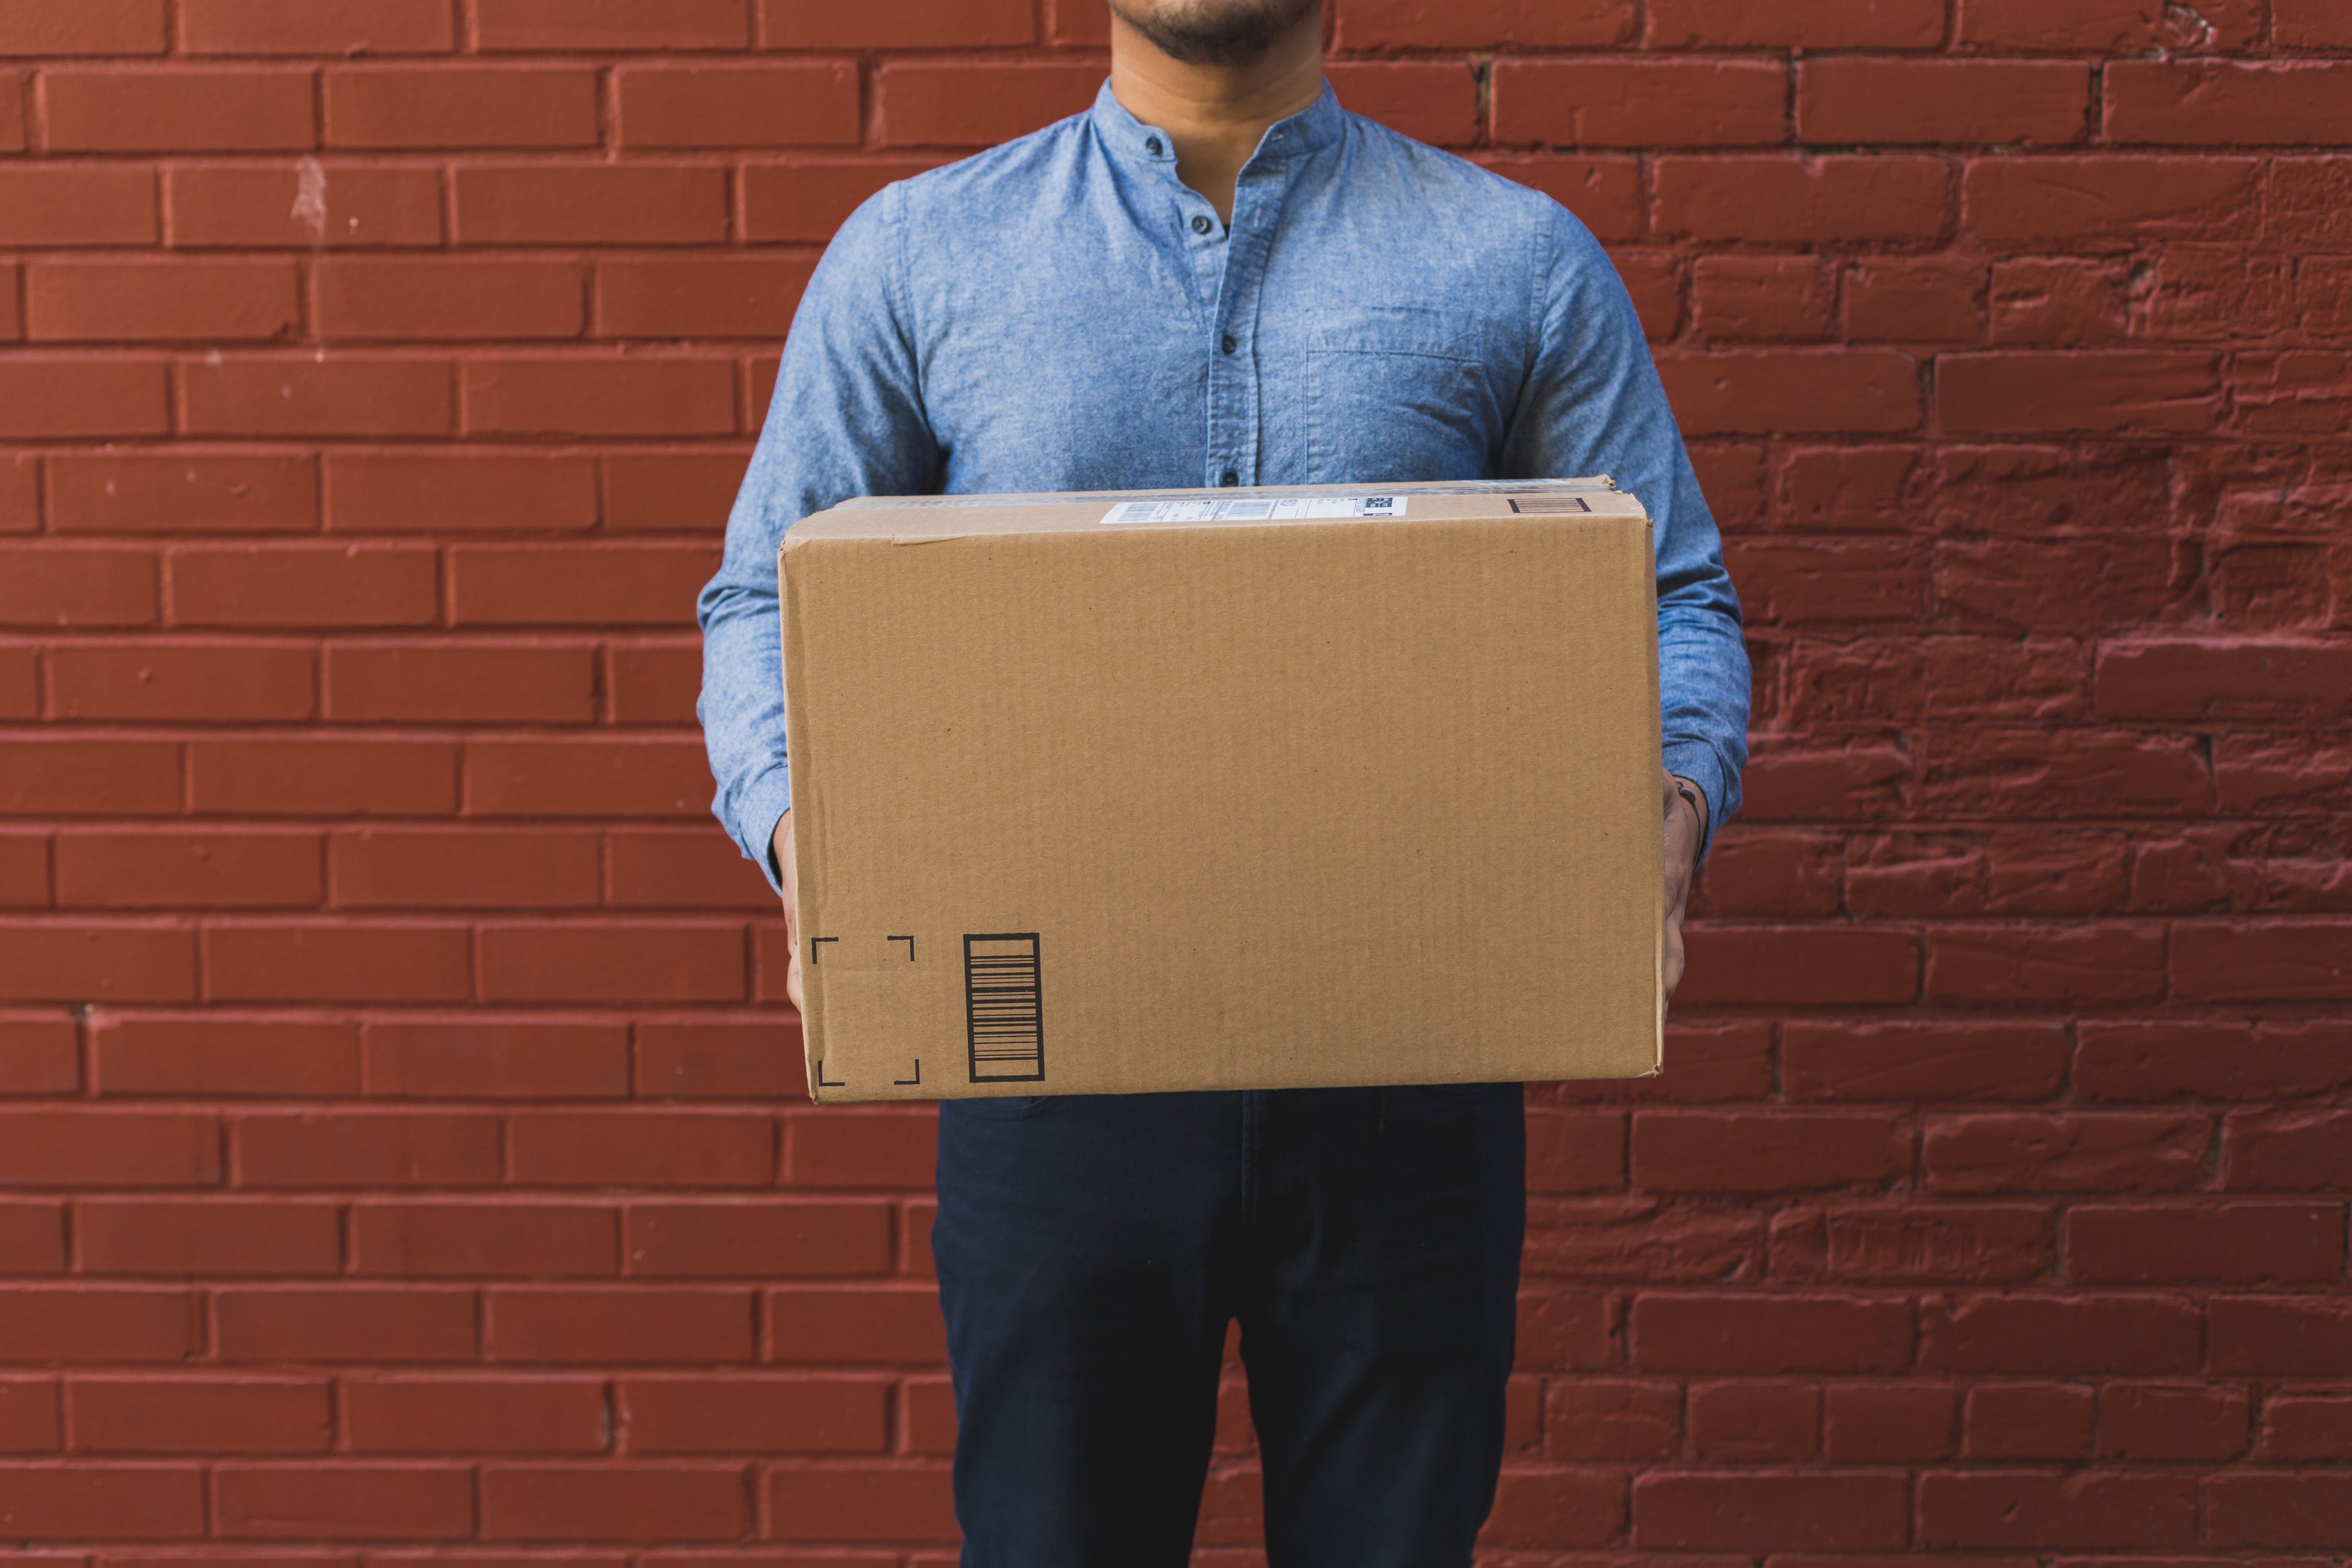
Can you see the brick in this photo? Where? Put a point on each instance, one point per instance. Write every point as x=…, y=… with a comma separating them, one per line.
x=20, y=493
x=83, y=204
x=109, y=1148
x=636, y=396
x=603, y=585
x=653, y=684
x=2078, y=1335
x=2025, y=393
x=1914, y=301
x=2300, y=1149
x=638, y=204
x=38, y=1055
x=2280, y=1336
x=1508, y=23
x=1691, y=1151
x=689, y=869
x=437, y=105
x=120, y=301
x=1432, y=101
x=84, y=1501
x=1778, y=1334
x=364, y=1148
x=806, y=199
x=1948, y=101
x=1575, y=1151
x=147, y=869
x=2027, y=1421
x=90, y=778
x=1798, y=967
x=345, y=1322
x=2008, y=773
x=686, y=1415
x=1578, y=1507
x=342, y=205
x=23, y=875
x=2036, y=200
x=191, y=492
x=2310, y=24
x=2307, y=960
x=448, y=1416
x=971, y=104
x=95, y=28
x=1904, y=1061
x=1889, y=1422
x=1786, y=24
x=2157, y=1421
x=2264, y=681
x=800, y=104
x=1762, y=872
x=643, y=1148
x=670, y=491
x=708, y=296
x=1640, y=103
x=443, y=491
x=2168, y=1059
x=477, y=1058
x=828, y=1324
x=300, y=586
x=2119, y=582
x=1911, y=1241
x=2301, y=1427
x=2219, y=103
x=587, y=779
x=311, y=777
x=1604, y=193
x=895, y=24
x=342, y=1501
x=2075, y=966
x=603, y=1323
x=377, y=298
x=20, y=683
x=2040, y=1509
x=347, y=961
x=76, y=587
x=2097, y=1152
x=1641, y=1238
x=213, y=1054
x=2060, y=302
x=45, y=396
x=2276, y=1509
x=611, y=24
x=1600, y=1419
x=1755, y=1423
x=757, y=1237
x=500, y=1238
x=462, y=683
x=50, y=959
x=183, y=681
x=636, y=961
x=1762, y=299
x=199, y=1415
x=332, y=28
x=730, y=1060
x=2105, y=26
x=1796, y=392
x=209, y=1236
x=91, y=1322
x=466, y=868
x=1787, y=582
x=1697, y=1511
x=899, y=1502
x=104, y=108
x=350, y=395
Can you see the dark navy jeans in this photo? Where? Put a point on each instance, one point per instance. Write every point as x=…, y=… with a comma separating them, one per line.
x=1092, y=1249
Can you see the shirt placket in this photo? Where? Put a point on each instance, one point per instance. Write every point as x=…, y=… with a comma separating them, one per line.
x=1235, y=387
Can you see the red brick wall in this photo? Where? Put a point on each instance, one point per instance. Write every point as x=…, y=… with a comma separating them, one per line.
x=402, y=1142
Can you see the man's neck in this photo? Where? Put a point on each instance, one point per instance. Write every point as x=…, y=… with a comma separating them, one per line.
x=1216, y=114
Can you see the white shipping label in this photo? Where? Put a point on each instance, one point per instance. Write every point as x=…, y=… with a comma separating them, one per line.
x=1259, y=510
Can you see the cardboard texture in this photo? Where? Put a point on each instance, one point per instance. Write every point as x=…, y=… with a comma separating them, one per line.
x=1225, y=789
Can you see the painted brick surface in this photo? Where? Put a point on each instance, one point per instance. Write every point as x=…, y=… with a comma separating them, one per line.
x=402, y=1147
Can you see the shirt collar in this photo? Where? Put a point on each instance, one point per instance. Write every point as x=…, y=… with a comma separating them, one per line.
x=1318, y=125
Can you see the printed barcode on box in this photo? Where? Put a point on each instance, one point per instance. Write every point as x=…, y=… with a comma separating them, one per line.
x=1004, y=1011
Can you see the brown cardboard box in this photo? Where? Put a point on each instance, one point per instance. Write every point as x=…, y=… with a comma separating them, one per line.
x=1225, y=789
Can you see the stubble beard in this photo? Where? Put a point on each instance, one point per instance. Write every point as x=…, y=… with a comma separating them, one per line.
x=1227, y=33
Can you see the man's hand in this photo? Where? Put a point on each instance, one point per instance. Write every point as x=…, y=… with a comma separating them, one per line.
x=780, y=846
x=1685, y=827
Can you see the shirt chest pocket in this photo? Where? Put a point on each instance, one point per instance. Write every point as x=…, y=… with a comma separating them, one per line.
x=1395, y=395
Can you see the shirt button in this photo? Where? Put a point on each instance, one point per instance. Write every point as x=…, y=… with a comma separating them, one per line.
x=1230, y=478
x=1153, y=147
x=1232, y=342
x=1200, y=223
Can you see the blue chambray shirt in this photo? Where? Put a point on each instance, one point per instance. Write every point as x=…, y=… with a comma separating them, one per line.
x=1062, y=313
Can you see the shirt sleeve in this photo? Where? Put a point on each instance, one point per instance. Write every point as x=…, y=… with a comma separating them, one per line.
x=846, y=420
x=1593, y=404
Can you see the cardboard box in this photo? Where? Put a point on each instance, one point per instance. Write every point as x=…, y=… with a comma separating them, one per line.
x=1225, y=789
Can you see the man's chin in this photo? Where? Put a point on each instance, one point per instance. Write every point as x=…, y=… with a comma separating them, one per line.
x=1230, y=34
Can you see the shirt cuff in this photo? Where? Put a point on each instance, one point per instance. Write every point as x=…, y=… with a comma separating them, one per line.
x=1697, y=761
x=757, y=809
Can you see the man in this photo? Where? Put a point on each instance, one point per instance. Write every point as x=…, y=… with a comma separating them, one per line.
x=1218, y=276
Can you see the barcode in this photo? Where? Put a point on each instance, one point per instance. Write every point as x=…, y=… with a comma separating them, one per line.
x=1004, y=1007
